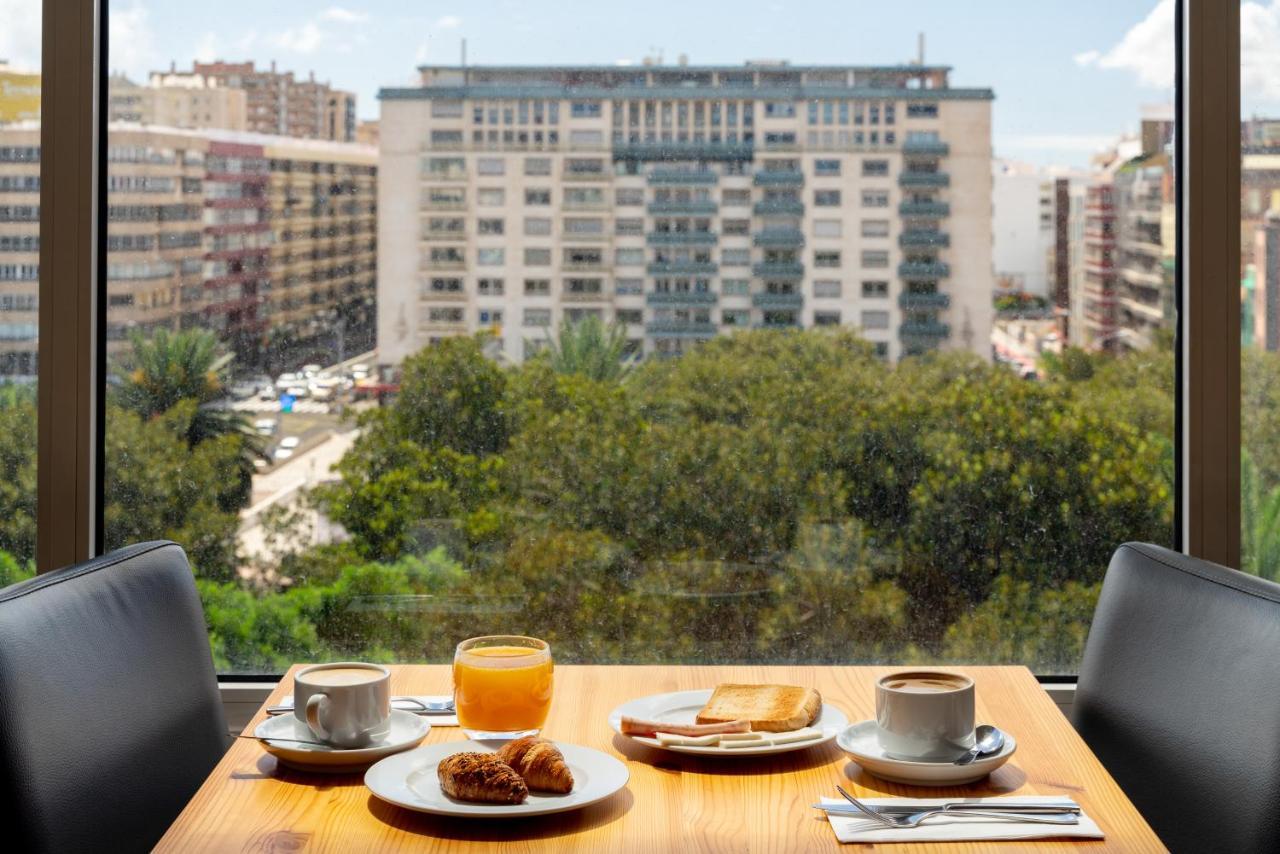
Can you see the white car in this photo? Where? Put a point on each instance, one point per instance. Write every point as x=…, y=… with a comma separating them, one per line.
x=282, y=454
x=311, y=370
x=284, y=381
x=290, y=442
x=265, y=426
x=297, y=392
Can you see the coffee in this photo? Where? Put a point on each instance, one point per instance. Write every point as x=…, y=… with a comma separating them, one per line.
x=925, y=683
x=344, y=676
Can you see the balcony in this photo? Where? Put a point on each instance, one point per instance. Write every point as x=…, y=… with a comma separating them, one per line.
x=779, y=179
x=924, y=179
x=778, y=301
x=682, y=238
x=916, y=237
x=921, y=302
x=926, y=146
x=771, y=207
x=779, y=238
x=682, y=176
x=778, y=270
x=928, y=329
x=923, y=270
x=778, y=324
x=685, y=207
x=680, y=299
x=934, y=209
x=683, y=268
x=680, y=329
x=668, y=151
x=586, y=296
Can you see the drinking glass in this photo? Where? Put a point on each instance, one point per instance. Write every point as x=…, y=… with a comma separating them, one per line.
x=502, y=686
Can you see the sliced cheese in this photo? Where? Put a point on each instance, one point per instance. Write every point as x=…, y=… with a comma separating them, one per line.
x=741, y=736
x=805, y=734
x=667, y=739
x=751, y=742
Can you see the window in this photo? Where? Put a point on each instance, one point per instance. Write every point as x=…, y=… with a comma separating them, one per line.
x=875, y=320
x=875, y=228
x=490, y=316
x=490, y=226
x=827, y=259
x=537, y=257
x=735, y=287
x=491, y=197
x=826, y=318
x=491, y=257
x=629, y=315
x=537, y=317
x=827, y=168
x=585, y=139
x=584, y=109
x=537, y=166
x=446, y=167
x=826, y=289
x=491, y=166
x=490, y=287
x=828, y=228
x=537, y=196
x=630, y=197
x=826, y=198
x=583, y=225
x=735, y=317
x=922, y=111
x=875, y=168
x=736, y=198
x=537, y=226
x=735, y=257
x=537, y=287
x=625, y=226
x=780, y=109
x=735, y=226
x=873, y=258
x=875, y=198
x=875, y=289
x=628, y=287
x=630, y=257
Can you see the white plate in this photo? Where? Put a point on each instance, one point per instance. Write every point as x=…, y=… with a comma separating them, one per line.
x=682, y=707
x=409, y=780
x=407, y=730
x=862, y=745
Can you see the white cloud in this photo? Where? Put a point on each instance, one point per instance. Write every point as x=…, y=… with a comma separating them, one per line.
x=20, y=35
x=132, y=43
x=343, y=16
x=1087, y=58
x=1146, y=49
x=448, y=22
x=307, y=38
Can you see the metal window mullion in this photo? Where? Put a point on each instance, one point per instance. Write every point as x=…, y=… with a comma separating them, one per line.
x=69, y=388
x=1209, y=186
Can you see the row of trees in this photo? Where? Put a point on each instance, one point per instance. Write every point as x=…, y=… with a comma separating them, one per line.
x=779, y=496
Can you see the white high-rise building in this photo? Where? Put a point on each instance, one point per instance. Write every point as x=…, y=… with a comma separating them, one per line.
x=685, y=202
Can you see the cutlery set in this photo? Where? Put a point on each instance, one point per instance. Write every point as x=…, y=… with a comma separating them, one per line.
x=911, y=815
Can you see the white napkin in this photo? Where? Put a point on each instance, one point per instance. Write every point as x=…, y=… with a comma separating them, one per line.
x=947, y=829
x=433, y=719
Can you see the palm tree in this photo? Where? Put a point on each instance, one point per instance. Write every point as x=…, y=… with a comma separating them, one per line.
x=170, y=367
x=591, y=348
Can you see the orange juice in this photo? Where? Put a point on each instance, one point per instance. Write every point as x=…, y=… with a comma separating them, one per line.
x=502, y=688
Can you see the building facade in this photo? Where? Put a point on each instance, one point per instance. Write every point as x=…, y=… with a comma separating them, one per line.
x=180, y=101
x=1097, y=329
x=267, y=242
x=683, y=203
x=1144, y=249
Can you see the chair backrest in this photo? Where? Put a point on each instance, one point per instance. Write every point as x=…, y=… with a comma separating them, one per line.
x=109, y=710
x=1179, y=696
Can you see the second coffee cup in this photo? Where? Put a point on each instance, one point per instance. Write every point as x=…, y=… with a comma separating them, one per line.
x=925, y=715
x=347, y=705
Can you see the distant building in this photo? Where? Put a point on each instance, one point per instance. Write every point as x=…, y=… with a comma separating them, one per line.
x=19, y=94
x=179, y=101
x=1265, y=307
x=1097, y=302
x=1145, y=244
x=1022, y=226
x=275, y=102
x=684, y=203
x=367, y=133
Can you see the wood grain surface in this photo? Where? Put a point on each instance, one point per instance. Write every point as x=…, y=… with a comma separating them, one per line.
x=672, y=802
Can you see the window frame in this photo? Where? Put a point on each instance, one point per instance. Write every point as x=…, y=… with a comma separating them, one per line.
x=72, y=345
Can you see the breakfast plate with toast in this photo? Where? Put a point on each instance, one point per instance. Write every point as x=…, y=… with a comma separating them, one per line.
x=731, y=720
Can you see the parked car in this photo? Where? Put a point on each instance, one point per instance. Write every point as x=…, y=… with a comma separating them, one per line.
x=243, y=390
x=290, y=442
x=309, y=371
x=284, y=381
x=282, y=453
x=266, y=426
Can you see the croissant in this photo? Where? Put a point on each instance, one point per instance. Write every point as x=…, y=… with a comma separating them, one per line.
x=540, y=763
x=481, y=777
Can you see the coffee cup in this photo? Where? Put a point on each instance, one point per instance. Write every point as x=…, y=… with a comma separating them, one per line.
x=925, y=715
x=346, y=704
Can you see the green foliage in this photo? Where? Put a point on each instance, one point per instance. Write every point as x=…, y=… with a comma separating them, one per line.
x=590, y=348
x=452, y=397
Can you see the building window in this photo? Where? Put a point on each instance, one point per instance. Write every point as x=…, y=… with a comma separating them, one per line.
x=537, y=317
x=490, y=226
x=630, y=257
x=736, y=317
x=491, y=166
x=826, y=168
x=491, y=197
x=875, y=258
x=490, y=287
x=537, y=166
x=628, y=226
x=735, y=287
x=826, y=318
x=875, y=228
x=537, y=287
x=584, y=109
x=735, y=257
x=490, y=257
x=628, y=287
x=629, y=197
x=490, y=317
x=537, y=196
x=735, y=226
x=828, y=228
x=537, y=226
x=922, y=111
x=875, y=168
x=826, y=289
x=534, y=257
x=875, y=289
x=875, y=320
x=826, y=198
x=583, y=225
x=826, y=259
x=875, y=198
x=629, y=315
x=736, y=198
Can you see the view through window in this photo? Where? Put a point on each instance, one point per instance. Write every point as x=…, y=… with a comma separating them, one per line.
x=20, y=48
x=845, y=340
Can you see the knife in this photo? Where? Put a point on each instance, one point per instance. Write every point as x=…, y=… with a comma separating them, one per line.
x=1044, y=808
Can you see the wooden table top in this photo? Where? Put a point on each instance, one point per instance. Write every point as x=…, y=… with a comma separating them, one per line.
x=673, y=802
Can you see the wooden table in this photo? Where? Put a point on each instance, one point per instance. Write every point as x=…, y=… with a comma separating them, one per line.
x=672, y=803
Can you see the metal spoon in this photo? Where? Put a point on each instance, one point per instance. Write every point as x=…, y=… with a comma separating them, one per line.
x=987, y=739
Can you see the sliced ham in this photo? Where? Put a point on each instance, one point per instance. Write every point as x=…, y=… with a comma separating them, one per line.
x=634, y=726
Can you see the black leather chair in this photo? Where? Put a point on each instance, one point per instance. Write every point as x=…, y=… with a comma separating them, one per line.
x=1179, y=696
x=109, y=711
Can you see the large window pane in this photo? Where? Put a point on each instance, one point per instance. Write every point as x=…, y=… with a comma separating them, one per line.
x=20, y=41
x=841, y=359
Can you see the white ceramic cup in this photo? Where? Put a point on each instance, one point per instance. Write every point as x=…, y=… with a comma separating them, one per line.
x=341, y=708
x=925, y=715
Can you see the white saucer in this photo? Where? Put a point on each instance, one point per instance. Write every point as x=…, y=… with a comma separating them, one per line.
x=407, y=729
x=862, y=745
x=683, y=706
x=409, y=780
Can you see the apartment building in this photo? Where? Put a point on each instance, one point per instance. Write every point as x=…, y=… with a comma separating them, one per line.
x=180, y=101
x=1097, y=329
x=276, y=103
x=267, y=242
x=1144, y=249
x=683, y=203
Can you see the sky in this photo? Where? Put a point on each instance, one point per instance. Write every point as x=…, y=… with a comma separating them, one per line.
x=1069, y=75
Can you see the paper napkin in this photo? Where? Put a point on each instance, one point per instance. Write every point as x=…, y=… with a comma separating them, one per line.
x=948, y=829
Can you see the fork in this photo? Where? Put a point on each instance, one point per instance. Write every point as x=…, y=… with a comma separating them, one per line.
x=914, y=819
x=432, y=707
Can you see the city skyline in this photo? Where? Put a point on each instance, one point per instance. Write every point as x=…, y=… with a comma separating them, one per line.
x=1104, y=63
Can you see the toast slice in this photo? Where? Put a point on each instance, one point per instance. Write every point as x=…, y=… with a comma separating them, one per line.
x=769, y=708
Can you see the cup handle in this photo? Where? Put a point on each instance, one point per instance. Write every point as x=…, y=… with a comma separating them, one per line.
x=313, y=715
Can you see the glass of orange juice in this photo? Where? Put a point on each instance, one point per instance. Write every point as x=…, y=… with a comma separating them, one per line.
x=502, y=686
